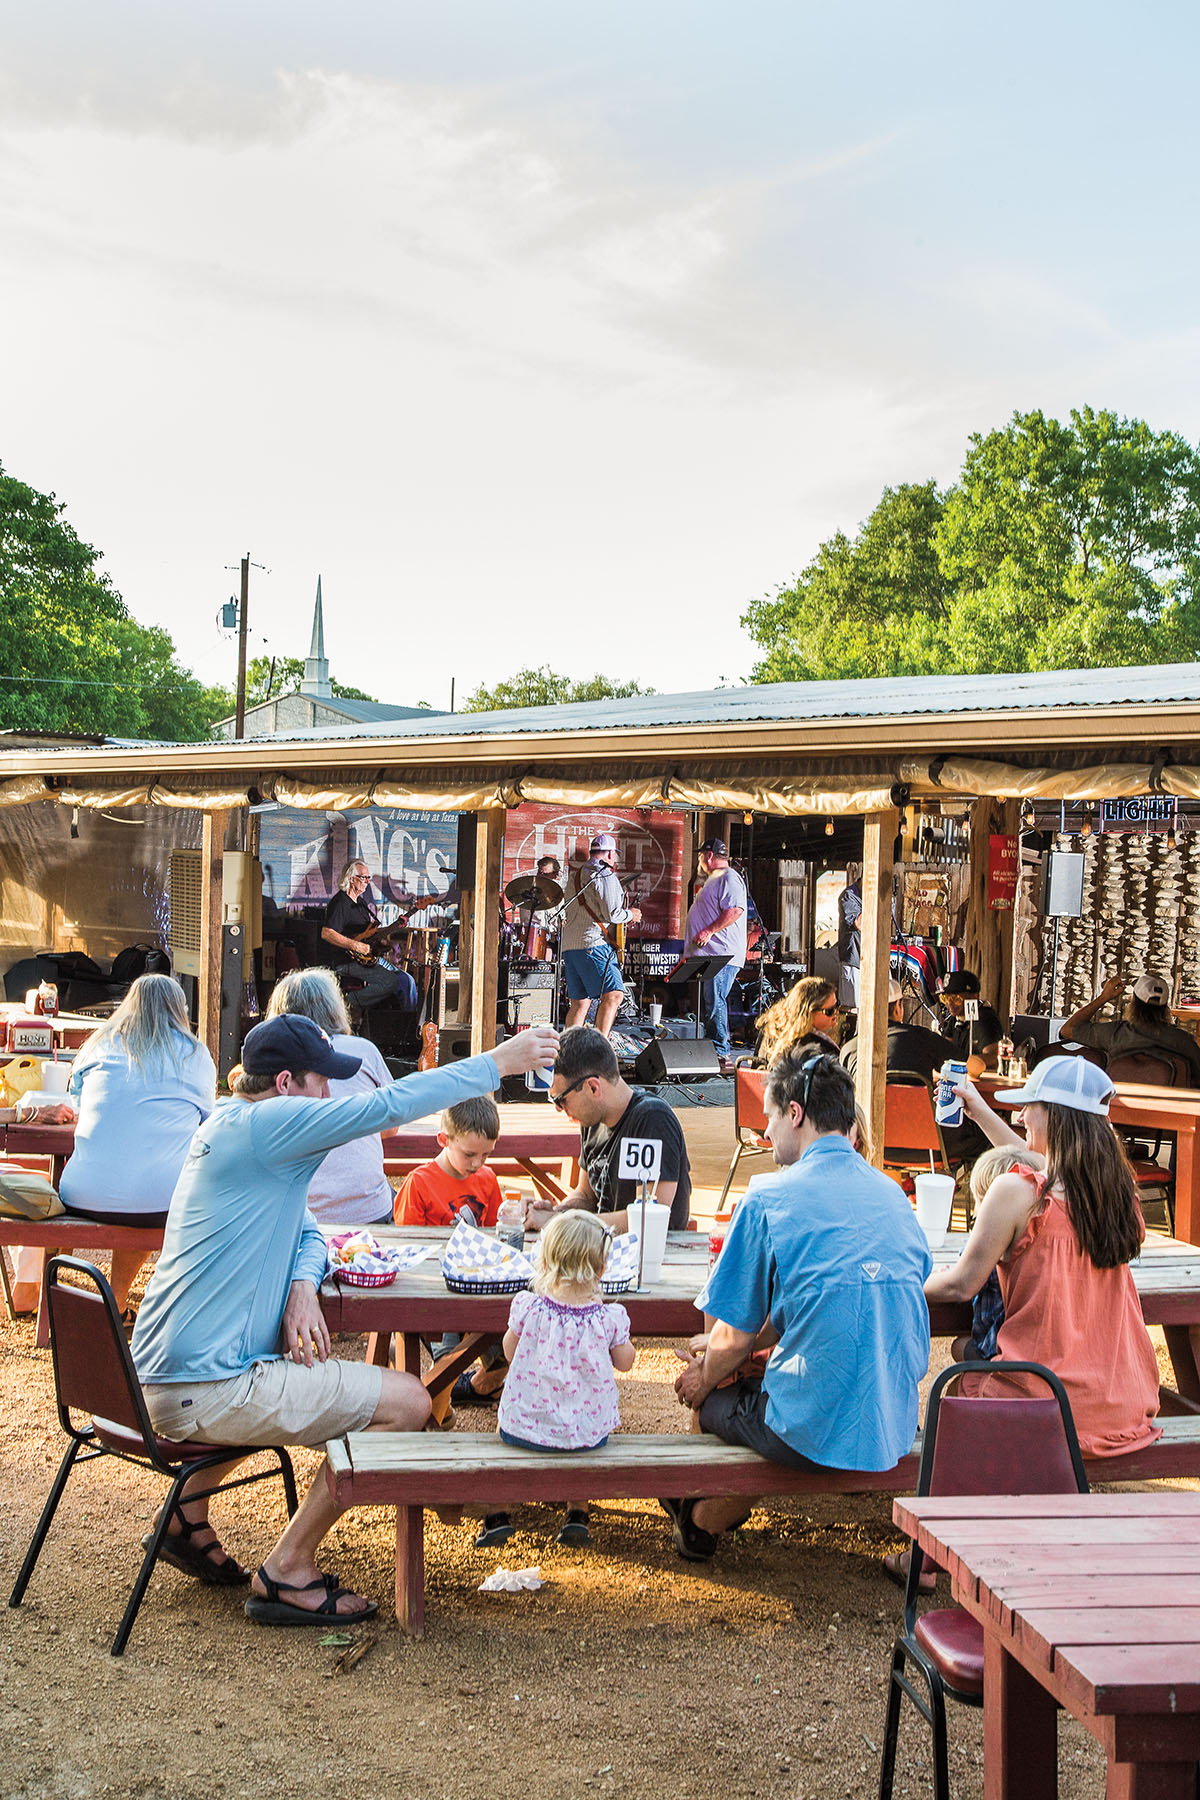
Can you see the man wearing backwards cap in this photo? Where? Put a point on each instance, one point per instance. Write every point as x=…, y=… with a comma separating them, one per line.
x=1144, y=1026
x=230, y=1345
x=592, y=969
x=716, y=926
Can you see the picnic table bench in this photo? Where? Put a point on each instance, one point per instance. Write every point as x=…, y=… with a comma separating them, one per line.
x=413, y=1470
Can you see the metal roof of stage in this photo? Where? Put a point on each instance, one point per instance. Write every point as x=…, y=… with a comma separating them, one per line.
x=1063, y=711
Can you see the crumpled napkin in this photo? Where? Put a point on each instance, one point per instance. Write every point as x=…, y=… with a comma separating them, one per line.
x=474, y=1255
x=359, y=1251
x=512, y=1581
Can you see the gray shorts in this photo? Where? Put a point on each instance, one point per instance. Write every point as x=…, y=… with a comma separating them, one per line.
x=275, y=1402
x=738, y=1415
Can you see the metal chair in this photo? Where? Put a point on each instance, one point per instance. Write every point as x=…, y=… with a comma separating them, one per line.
x=984, y=1446
x=94, y=1374
x=749, y=1120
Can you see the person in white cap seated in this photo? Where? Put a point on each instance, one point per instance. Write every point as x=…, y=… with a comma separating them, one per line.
x=1061, y=1239
x=1145, y=1025
x=596, y=901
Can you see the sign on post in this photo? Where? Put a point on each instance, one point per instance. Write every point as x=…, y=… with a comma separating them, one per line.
x=640, y=1160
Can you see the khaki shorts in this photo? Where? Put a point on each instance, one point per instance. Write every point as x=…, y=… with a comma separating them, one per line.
x=276, y=1402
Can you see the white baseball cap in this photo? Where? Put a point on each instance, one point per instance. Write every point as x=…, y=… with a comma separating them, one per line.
x=1152, y=990
x=604, y=840
x=1064, y=1081
x=895, y=991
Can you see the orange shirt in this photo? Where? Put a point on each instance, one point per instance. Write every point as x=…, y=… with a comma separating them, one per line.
x=1084, y=1323
x=431, y=1197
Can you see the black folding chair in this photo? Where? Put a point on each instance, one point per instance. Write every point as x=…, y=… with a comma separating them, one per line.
x=94, y=1374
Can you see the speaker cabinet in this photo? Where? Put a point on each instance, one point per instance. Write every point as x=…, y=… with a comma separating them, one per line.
x=677, y=1059
x=454, y=1042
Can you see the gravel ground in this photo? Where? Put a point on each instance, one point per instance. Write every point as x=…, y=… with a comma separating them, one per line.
x=629, y=1673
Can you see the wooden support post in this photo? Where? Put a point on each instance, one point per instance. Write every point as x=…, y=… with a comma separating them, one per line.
x=212, y=918
x=875, y=926
x=988, y=934
x=485, y=947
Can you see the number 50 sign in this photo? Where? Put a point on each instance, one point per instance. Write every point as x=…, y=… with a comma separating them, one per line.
x=641, y=1159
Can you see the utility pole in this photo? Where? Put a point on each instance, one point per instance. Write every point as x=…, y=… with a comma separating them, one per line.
x=239, y=729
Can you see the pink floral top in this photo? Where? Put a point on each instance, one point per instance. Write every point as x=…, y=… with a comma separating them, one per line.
x=560, y=1390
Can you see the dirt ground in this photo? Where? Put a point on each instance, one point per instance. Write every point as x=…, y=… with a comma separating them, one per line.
x=630, y=1672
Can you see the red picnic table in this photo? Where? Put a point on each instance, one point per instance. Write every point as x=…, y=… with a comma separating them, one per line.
x=537, y=1143
x=1090, y=1602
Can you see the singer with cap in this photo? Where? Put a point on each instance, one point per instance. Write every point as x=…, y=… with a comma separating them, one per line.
x=596, y=901
x=716, y=926
x=979, y=1037
x=1145, y=1025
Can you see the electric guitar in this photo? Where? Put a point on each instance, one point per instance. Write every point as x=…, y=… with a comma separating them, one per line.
x=429, y=1030
x=370, y=946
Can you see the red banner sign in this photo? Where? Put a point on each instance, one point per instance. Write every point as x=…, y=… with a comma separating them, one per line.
x=650, y=850
x=1004, y=865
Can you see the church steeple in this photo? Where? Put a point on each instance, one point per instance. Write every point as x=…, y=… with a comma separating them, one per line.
x=316, y=669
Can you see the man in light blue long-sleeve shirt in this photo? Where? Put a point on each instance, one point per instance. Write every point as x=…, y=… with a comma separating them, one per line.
x=230, y=1345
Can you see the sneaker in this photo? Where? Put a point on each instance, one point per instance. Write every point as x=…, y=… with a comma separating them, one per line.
x=433, y=1423
x=465, y=1393
x=691, y=1542
x=497, y=1529
x=575, y=1531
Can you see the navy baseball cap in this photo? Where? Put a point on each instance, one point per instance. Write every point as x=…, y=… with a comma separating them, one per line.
x=295, y=1043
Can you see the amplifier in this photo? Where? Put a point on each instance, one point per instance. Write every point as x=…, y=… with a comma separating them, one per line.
x=531, y=1005
x=454, y=1042
x=667, y=1059
x=532, y=975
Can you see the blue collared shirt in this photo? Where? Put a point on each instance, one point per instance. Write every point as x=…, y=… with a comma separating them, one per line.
x=829, y=1250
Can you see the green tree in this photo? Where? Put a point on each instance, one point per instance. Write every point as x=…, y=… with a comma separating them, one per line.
x=542, y=687
x=1061, y=546
x=72, y=658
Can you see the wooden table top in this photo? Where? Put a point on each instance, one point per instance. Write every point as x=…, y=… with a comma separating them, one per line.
x=1098, y=1592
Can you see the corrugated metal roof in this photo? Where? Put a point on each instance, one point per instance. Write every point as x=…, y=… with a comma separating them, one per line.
x=802, y=702
x=367, y=710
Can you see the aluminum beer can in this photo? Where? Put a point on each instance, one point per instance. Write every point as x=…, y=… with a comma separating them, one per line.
x=948, y=1108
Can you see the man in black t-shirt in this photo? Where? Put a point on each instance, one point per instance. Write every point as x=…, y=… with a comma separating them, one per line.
x=588, y=1087
x=347, y=916
x=982, y=1037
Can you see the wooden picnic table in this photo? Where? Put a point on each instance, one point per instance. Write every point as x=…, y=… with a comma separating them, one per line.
x=1087, y=1601
x=418, y=1303
x=536, y=1143
x=1154, y=1109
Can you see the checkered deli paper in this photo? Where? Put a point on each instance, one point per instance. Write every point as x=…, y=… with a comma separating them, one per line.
x=620, y=1271
x=358, y=1253
x=476, y=1258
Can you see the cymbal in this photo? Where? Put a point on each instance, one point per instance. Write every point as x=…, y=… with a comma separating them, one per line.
x=537, y=892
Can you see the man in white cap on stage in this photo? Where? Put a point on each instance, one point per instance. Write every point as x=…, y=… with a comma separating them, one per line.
x=589, y=960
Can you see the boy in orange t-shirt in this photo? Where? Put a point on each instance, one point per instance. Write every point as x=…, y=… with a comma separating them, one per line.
x=458, y=1182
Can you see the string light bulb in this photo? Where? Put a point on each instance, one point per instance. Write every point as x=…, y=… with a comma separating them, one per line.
x=829, y=828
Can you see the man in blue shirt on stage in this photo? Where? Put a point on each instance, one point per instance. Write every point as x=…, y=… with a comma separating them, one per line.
x=825, y=1265
x=716, y=926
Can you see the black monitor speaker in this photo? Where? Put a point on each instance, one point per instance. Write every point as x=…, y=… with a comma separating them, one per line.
x=677, y=1059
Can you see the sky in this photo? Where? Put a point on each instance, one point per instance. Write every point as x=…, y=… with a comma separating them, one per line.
x=553, y=334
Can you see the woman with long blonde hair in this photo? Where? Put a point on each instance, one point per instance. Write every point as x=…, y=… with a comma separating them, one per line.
x=141, y=1085
x=808, y=1006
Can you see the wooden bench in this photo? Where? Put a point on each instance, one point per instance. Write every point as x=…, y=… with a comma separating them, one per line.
x=66, y=1233
x=411, y=1471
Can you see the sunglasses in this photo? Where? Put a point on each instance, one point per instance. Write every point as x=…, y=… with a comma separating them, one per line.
x=558, y=1099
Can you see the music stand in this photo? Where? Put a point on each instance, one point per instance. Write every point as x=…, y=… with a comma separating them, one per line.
x=698, y=969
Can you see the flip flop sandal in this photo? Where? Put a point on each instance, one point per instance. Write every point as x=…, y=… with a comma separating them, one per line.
x=692, y=1542
x=575, y=1531
x=895, y=1567
x=269, y=1609
x=198, y=1559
